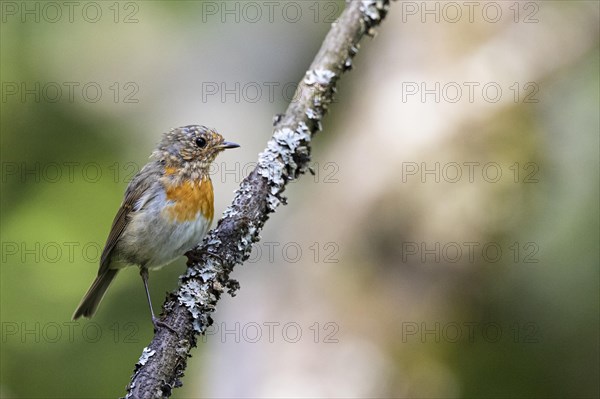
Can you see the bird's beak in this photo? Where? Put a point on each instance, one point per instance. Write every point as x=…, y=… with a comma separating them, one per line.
x=228, y=144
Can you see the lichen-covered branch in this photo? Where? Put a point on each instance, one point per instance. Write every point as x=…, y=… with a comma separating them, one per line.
x=188, y=310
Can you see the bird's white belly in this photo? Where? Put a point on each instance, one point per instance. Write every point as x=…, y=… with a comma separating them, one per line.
x=153, y=238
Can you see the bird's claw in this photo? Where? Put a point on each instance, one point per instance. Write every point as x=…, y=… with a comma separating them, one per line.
x=161, y=324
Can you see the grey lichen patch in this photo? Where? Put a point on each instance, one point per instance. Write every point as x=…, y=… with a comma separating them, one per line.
x=182, y=350
x=319, y=76
x=190, y=295
x=277, y=118
x=232, y=287
x=195, y=297
x=209, y=268
x=217, y=286
x=273, y=202
x=248, y=238
x=147, y=353
x=313, y=113
x=374, y=11
x=230, y=212
x=212, y=240
x=348, y=64
x=278, y=163
x=207, y=273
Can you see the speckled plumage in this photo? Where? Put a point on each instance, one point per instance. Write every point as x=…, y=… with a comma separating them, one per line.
x=167, y=209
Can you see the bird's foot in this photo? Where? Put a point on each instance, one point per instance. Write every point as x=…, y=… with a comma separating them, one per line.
x=161, y=324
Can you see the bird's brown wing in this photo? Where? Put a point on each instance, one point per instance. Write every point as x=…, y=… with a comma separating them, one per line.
x=137, y=188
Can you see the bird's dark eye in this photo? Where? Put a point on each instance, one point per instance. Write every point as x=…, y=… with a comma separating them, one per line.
x=201, y=142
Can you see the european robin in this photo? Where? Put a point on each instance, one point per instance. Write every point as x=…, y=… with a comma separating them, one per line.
x=167, y=210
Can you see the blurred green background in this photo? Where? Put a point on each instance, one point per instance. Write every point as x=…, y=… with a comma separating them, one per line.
x=446, y=247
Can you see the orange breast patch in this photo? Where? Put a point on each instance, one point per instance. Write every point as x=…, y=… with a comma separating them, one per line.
x=190, y=198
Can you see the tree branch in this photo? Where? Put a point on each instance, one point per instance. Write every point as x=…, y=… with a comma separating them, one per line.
x=188, y=311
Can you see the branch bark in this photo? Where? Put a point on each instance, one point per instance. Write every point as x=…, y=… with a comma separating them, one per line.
x=188, y=310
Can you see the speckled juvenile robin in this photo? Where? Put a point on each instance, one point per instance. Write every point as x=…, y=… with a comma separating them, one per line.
x=167, y=210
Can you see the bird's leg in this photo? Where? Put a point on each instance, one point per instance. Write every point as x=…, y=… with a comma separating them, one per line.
x=144, y=274
x=155, y=320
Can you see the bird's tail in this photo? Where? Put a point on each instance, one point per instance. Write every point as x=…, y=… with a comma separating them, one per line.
x=92, y=298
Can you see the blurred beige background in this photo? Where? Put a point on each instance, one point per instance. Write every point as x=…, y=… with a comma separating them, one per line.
x=447, y=245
